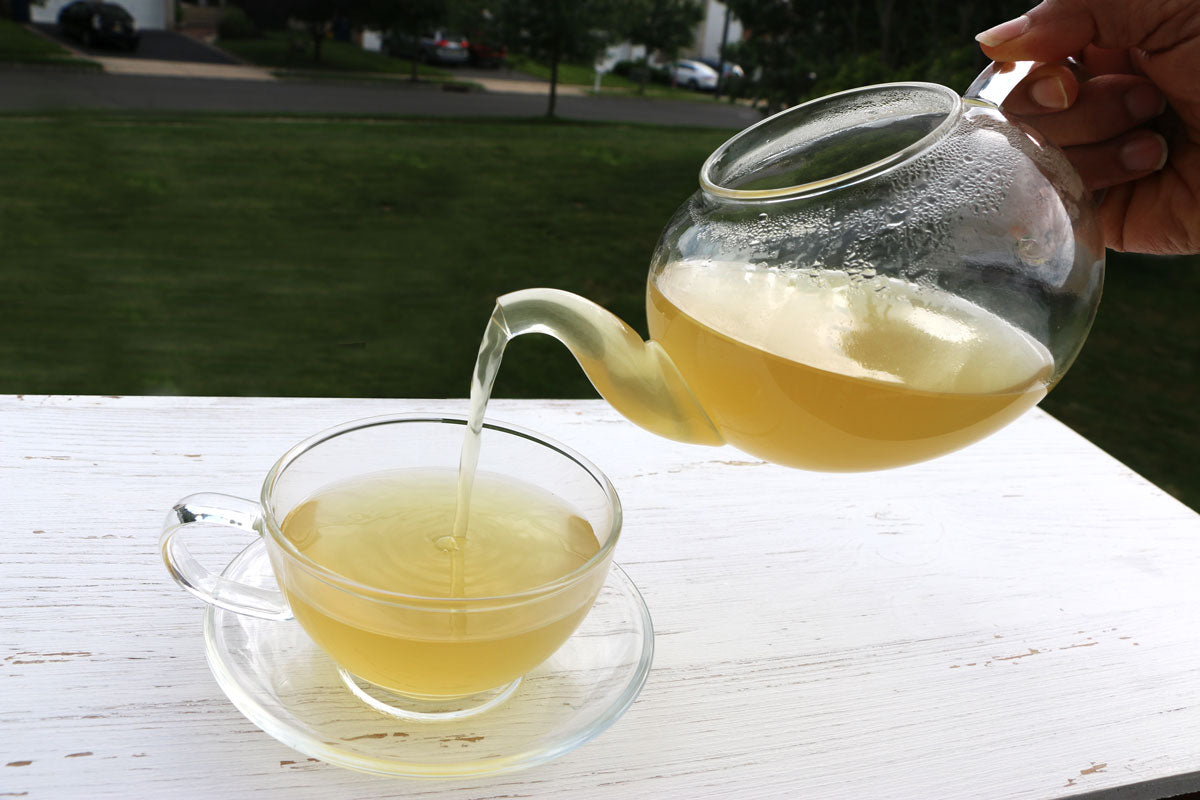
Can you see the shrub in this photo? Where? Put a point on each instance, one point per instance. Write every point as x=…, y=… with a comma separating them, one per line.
x=236, y=24
x=637, y=70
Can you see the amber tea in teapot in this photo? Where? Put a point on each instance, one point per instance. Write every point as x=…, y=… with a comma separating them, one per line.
x=880, y=375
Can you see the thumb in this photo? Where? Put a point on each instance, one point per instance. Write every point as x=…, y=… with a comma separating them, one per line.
x=1056, y=29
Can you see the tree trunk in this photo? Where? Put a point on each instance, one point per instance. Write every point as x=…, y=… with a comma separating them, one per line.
x=966, y=20
x=853, y=27
x=553, y=84
x=721, y=56
x=885, y=9
x=643, y=74
x=318, y=36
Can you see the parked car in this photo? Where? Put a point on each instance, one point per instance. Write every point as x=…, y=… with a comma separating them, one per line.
x=98, y=24
x=437, y=47
x=693, y=75
x=485, y=54
x=727, y=70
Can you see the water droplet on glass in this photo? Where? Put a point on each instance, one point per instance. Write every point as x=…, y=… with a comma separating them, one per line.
x=1032, y=252
x=763, y=217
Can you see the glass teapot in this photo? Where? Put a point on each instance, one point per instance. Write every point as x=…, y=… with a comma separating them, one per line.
x=866, y=280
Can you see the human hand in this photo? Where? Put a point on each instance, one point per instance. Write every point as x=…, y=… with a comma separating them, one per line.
x=1130, y=123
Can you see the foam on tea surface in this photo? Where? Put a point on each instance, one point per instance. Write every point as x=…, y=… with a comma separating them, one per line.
x=880, y=329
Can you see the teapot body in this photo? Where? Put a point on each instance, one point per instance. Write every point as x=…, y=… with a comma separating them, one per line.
x=876, y=278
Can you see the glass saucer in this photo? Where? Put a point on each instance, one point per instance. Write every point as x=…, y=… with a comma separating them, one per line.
x=284, y=684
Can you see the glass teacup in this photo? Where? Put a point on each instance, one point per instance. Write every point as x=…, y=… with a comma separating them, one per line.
x=414, y=652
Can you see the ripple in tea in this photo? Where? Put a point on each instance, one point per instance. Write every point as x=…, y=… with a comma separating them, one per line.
x=393, y=531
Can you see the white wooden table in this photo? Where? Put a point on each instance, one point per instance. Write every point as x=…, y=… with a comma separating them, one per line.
x=1018, y=620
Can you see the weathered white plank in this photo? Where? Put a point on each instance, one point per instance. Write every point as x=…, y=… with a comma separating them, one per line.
x=1017, y=620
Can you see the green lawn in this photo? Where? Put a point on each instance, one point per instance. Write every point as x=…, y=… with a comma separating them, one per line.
x=200, y=254
x=293, y=256
x=292, y=50
x=22, y=46
x=1133, y=388
x=584, y=75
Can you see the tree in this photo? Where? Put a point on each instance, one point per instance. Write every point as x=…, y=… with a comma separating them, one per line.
x=801, y=48
x=317, y=16
x=558, y=31
x=406, y=20
x=662, y=27
x=784, y=43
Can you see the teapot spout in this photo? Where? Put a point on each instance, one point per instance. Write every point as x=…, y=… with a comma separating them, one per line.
x=636, y=377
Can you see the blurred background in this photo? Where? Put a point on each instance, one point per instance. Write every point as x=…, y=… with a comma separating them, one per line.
x=222, y=246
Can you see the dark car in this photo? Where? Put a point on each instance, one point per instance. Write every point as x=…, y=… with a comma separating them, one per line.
x=437, y=47
x=98, y=24
x=728, y=69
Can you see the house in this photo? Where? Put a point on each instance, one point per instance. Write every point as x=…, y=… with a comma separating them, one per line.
x=717, y=26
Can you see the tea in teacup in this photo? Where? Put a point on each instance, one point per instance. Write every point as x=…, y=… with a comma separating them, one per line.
x=392, y=531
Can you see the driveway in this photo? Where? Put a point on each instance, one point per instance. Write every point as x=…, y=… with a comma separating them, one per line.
x=154, y=46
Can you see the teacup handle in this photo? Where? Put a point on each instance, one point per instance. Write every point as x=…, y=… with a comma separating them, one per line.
x=231, y=513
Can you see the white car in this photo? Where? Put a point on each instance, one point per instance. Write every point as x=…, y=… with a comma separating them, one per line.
x=693, y=75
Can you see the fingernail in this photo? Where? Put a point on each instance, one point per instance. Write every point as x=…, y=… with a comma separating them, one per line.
x=1144, y=102
x=1144, y=154
x=1004, y=31
x=1049, y=93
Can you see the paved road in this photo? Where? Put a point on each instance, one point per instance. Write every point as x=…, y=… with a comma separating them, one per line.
x=171, y=71
x=32, y=90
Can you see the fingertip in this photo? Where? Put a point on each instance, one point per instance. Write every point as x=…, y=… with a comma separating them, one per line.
x=1047, y=89
x=1146, y=153
x=1050, y=31
x=1050, y=93
x=1145, y=101
x=1004, y=32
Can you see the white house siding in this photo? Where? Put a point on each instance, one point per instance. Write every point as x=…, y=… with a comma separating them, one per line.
x=372, y=40
x=708, y=41
x=148, y=14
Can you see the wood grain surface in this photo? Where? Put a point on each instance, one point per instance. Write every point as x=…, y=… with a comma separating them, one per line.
x=1017, y=620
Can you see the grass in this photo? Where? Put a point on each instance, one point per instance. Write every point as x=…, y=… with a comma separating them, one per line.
x=299, y=256
x=292, y=50
x=568, y=74
x=202, y=254
x=584, y=75
x=19, y=45
x=291, y=53
x=1133, y=388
